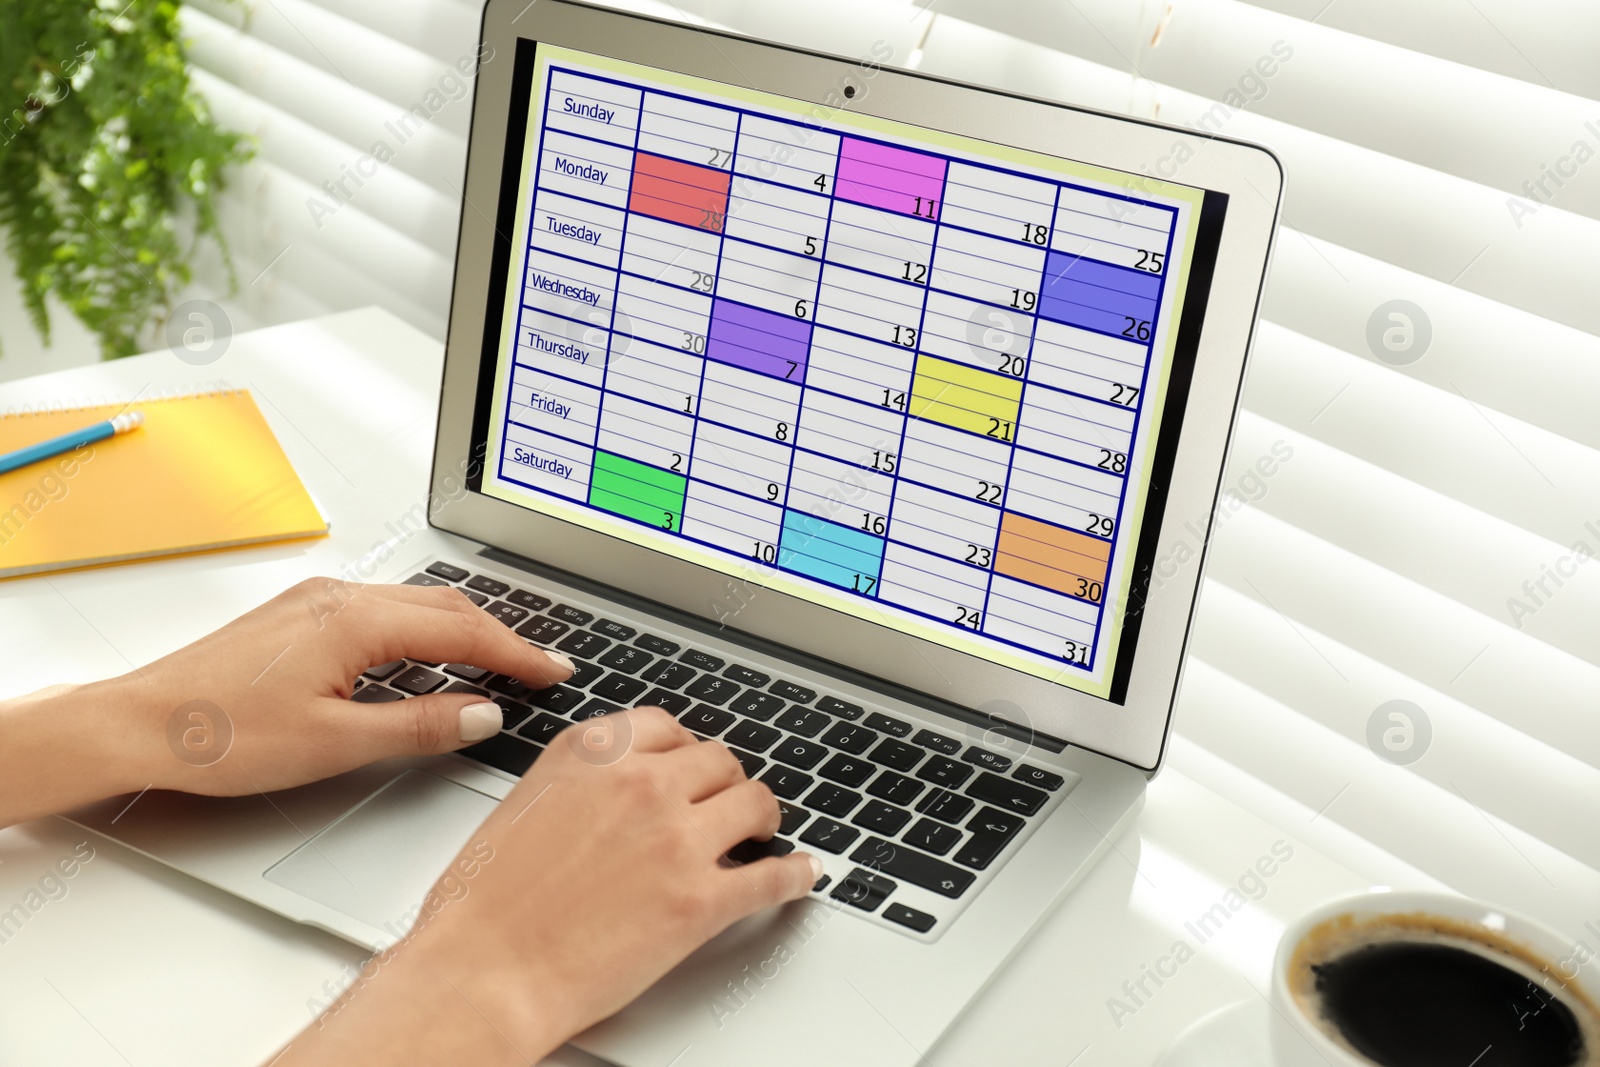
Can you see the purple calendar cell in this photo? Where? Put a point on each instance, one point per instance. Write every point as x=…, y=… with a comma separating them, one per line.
x=896, y=179
x=759, y=341
x=1087, y=293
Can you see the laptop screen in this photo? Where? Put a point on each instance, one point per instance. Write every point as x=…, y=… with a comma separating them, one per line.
x=924, y=380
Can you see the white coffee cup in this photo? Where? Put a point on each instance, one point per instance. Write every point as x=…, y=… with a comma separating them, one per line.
x=1299, y=1041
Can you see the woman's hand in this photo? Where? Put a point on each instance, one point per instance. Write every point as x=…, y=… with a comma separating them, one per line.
x=597, y=875
x=263, y=703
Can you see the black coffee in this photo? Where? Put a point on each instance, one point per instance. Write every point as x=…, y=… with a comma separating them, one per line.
x=1430, y=1004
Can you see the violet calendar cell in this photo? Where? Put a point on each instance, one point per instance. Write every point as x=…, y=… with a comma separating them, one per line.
x=895, y=179
x=1084, y=292
x=759, y=341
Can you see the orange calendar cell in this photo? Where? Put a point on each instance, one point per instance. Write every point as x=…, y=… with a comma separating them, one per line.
x=679, y=192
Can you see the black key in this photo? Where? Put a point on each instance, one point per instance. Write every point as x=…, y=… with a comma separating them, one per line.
x=705, y=719
x=583, y=644
x=512, y=713
x=703, y=660
x=938, y=742
x=791, y=818
x=915, y=867
x=750, y=851
x=802, y=721
x=945, y=806
x=881, y=818
x=1035, y=776
x=833, y=800
x=822, y=883
x=383, y=670
x=424, y=579
x=711, y=689
x=984, y=758
x=460, y=670
x=756, y=705
x=375, y=694
x=619, y=687
x=417, y=680
x=560, y=698
x=752, y=735
x=478, y=599
x=991, y=830
x=542, y=630
x=799, y=694
x=853, y=739
x=524, y=599
x=448, y=571
x=509, y=614
x=594, y=709
x=896, y=788
x=1006, y=794
x=884, y=724
x=835, y=706
x=667, y=674
x=826, y=834
x=464, y=687
x=505, y=752
x=542, y=727
x=746, y=675
x=484, y=584
x=942, y=771
x=511, y=687
x=659, y=645
x=625, y=658
x=567, y=613
x=614, y=630
x=584, y=673
x=864, y=890
x=847, y=770
x=920, y=921
x=676, y=703
x=798, y=753
x=897, y=754
x=751, y=763
x=787, y=782
x=933, y=837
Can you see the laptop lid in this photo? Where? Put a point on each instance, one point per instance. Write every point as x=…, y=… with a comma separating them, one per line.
x=912, y=376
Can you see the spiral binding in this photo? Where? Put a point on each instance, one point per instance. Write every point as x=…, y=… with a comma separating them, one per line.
x=122, y=403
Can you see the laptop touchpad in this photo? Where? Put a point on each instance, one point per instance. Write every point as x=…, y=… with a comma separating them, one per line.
x=378, y=860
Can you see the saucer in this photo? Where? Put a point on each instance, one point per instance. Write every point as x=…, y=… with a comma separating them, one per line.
x=1234, y=1036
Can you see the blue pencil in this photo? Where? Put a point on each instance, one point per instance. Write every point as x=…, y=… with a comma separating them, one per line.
x=10, y=461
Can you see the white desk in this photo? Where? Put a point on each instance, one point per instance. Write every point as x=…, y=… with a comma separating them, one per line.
x=139, y=965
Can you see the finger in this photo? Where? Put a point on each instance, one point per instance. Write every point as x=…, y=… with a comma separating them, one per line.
x=746, y=810
x=425, y=725
x=654, y=729
x=701, y=770
x=441, y=626
x=767, y=883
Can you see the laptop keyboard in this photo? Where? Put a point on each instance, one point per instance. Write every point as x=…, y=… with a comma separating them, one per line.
x=901, y=804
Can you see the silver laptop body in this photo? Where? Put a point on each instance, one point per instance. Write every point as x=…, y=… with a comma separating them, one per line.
x=1147, y=243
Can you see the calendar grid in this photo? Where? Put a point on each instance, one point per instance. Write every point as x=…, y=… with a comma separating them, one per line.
x=754, y=296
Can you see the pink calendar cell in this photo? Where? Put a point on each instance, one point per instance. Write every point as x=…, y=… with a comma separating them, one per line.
x=895, y=179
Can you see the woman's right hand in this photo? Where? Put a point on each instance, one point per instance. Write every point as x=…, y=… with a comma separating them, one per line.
x=597, y=875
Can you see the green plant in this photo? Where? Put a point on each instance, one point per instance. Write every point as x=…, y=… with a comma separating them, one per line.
x=104, y=149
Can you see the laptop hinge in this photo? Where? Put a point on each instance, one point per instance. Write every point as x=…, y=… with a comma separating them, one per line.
x=776, y=649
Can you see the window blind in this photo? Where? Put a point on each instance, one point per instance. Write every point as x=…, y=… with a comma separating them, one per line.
x=1413, y=524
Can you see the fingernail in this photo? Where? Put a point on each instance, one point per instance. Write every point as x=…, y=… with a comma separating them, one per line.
x=816, y=868
x=563, y=660
x=480, y=721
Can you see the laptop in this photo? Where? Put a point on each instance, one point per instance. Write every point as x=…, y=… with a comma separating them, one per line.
x=869, y=423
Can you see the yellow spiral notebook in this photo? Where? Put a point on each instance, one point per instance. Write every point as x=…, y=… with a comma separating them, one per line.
x=203, y=472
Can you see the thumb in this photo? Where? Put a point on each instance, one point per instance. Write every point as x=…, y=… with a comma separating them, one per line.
x=424, y=725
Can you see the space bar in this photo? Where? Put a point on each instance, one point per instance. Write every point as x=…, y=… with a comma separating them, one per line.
x=917, y=868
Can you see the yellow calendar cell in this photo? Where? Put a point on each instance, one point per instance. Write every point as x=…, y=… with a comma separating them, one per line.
x=966, y=398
